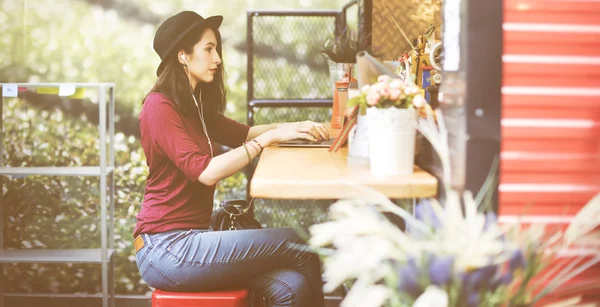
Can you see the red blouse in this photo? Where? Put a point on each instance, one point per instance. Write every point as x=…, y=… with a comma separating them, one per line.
x=177, y=152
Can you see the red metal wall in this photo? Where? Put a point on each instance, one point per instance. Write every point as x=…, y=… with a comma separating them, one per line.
x=550, y=149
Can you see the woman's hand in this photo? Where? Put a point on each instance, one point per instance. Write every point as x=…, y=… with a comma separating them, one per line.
x=305, y=130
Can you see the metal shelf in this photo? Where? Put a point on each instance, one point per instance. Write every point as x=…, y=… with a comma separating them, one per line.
x=92, y=255
x=55, y=171
x=106, y=126
x=76, y=84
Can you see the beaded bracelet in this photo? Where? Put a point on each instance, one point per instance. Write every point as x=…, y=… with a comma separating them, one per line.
x=255, y=147
x=248, y=153
x=257, y=143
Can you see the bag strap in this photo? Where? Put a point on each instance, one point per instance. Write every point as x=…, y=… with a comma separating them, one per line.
x=238, y=214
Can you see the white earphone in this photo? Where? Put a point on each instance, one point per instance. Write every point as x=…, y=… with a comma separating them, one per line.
x=204, y=125
x=182, y=57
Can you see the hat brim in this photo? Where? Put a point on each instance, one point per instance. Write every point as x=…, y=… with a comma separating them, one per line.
x=213, y=22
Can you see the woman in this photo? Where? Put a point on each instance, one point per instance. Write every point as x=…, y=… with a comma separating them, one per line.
x=180, y=119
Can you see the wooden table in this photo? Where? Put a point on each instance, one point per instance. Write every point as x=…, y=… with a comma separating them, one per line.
x=315, y=173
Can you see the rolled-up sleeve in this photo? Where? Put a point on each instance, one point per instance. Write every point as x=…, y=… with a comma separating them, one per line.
x=226, y=131
x=166, y=130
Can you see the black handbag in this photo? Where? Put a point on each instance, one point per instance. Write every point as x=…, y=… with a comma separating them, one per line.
x=233, y=215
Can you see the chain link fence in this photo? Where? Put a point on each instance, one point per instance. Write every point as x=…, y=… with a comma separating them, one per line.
x=284, y=54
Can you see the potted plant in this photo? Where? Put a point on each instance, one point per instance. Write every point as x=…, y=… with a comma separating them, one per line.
x=341, y=50
x=390, y=105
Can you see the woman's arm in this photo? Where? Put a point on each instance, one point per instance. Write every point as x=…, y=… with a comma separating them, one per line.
x=316, y=130
x=231, y=162
x=260, y=129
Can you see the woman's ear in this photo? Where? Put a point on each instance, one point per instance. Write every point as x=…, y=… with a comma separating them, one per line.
x=181, y=58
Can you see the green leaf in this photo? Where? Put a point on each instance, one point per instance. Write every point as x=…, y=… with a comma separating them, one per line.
x=354, y=101
x=363, y=109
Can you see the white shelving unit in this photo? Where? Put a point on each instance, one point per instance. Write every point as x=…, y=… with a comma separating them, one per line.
x=105, y=171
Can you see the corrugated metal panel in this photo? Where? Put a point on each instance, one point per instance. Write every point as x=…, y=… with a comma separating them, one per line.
x=550, y=148
x=551, y=106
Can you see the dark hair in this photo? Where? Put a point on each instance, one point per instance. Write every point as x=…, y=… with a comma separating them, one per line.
x=173, y=80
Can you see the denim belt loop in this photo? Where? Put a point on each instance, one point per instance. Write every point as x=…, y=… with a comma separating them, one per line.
x=147, y=240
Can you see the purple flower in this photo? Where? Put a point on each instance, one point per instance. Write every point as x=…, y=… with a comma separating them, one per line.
x=408, y=276
x=473, y=299
x=484, y=274
x=517, y=261
x=479, y=279
x=502, y=280
x=440, y=270
x=475, y=282
x=424, y=212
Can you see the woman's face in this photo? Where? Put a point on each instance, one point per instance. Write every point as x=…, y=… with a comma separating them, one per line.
x=204, y=60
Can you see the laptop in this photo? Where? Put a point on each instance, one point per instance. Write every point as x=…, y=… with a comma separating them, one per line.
x=304, y=143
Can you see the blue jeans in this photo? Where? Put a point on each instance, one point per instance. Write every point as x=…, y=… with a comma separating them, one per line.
x=260, y=259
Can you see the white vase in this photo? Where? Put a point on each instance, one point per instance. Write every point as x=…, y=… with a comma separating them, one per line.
x=391, y=136
x=358, y=141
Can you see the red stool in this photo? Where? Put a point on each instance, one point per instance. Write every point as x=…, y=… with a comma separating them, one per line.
x=233, y=298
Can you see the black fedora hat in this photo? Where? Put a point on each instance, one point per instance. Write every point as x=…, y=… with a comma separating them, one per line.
x=172, y=31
